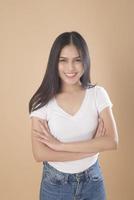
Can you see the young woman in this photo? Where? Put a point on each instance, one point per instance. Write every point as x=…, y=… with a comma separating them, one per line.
x=72, y=121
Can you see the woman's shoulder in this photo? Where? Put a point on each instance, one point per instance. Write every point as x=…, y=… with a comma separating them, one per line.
x=96, y=88
x=97, y=91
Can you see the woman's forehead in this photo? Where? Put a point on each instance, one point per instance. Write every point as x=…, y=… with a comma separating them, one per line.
x=70, y=51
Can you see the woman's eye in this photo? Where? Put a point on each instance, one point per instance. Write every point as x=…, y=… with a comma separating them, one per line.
x=62, y=61
x=78, y=60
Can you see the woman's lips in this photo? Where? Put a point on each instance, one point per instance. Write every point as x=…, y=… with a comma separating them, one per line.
x=70, y=75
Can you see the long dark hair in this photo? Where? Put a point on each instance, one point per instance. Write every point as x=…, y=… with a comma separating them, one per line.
x=51, y=83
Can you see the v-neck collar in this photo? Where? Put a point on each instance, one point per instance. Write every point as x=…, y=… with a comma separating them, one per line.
x=77, y=112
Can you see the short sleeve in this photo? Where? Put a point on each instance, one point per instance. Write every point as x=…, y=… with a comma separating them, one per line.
x=40, y=113
x=102, y=98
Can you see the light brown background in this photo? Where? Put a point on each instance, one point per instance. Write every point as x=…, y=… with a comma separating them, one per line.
x=28, y=29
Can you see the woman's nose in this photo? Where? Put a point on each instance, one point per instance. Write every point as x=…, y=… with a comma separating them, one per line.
x=71, y=66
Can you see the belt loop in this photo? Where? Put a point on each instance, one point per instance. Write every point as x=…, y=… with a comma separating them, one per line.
x=66, y=178
x=86, y=174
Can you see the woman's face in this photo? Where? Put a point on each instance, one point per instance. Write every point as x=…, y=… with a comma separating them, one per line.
x=70, y=65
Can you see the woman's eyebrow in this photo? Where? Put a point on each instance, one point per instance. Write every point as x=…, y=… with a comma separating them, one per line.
x=67, y=57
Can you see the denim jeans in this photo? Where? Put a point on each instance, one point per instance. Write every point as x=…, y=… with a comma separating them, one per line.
x=86, y=185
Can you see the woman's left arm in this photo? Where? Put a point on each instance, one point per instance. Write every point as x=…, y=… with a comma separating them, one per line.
x=108, y=141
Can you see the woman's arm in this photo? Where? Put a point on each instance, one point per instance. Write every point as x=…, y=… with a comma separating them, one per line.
x=42, y=152
x=107, y=141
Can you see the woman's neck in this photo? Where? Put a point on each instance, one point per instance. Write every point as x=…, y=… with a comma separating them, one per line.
x=71, y=88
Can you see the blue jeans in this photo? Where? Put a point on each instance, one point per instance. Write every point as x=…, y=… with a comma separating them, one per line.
x=86, y=185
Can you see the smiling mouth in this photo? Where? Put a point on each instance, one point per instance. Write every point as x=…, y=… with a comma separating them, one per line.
x=70, y=75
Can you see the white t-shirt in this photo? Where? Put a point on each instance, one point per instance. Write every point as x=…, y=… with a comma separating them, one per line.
x=81, y=126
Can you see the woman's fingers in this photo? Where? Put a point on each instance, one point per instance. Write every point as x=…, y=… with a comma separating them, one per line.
x=100, y=128
x=44, y=129
x=104, y=132
x=100, y=125
x=46, y=125
x=39, y=135
x=103, y=129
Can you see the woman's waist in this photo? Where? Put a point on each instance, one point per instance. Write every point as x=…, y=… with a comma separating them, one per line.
x=75, y=166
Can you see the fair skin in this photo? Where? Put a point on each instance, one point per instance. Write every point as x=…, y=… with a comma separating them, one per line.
x=105, y=138
x=45, y=145
x=42, y=152
x=70, y=63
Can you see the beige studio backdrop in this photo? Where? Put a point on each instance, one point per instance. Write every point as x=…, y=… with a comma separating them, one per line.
x=28, y=29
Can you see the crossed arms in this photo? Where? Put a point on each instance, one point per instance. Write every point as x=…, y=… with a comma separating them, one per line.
x=46, y=147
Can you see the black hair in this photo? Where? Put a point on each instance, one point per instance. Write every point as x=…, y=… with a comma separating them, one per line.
x=51, y=83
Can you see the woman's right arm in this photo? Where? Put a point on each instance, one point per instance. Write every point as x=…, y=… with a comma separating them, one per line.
x=42, y=152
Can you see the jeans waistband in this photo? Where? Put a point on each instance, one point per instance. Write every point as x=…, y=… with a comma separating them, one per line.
x=68, y=176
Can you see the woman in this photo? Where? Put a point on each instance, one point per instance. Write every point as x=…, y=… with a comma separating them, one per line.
x=72, y=121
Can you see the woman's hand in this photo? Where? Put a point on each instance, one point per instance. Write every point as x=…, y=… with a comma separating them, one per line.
x=47, y=138
x=100, y=132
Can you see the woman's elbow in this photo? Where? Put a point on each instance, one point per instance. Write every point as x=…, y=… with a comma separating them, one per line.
x=114, y=145
x=111, y=143
x=37, y=158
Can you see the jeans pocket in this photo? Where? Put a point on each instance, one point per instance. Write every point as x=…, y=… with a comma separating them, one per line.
x=95, y=174
x=54, y=178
